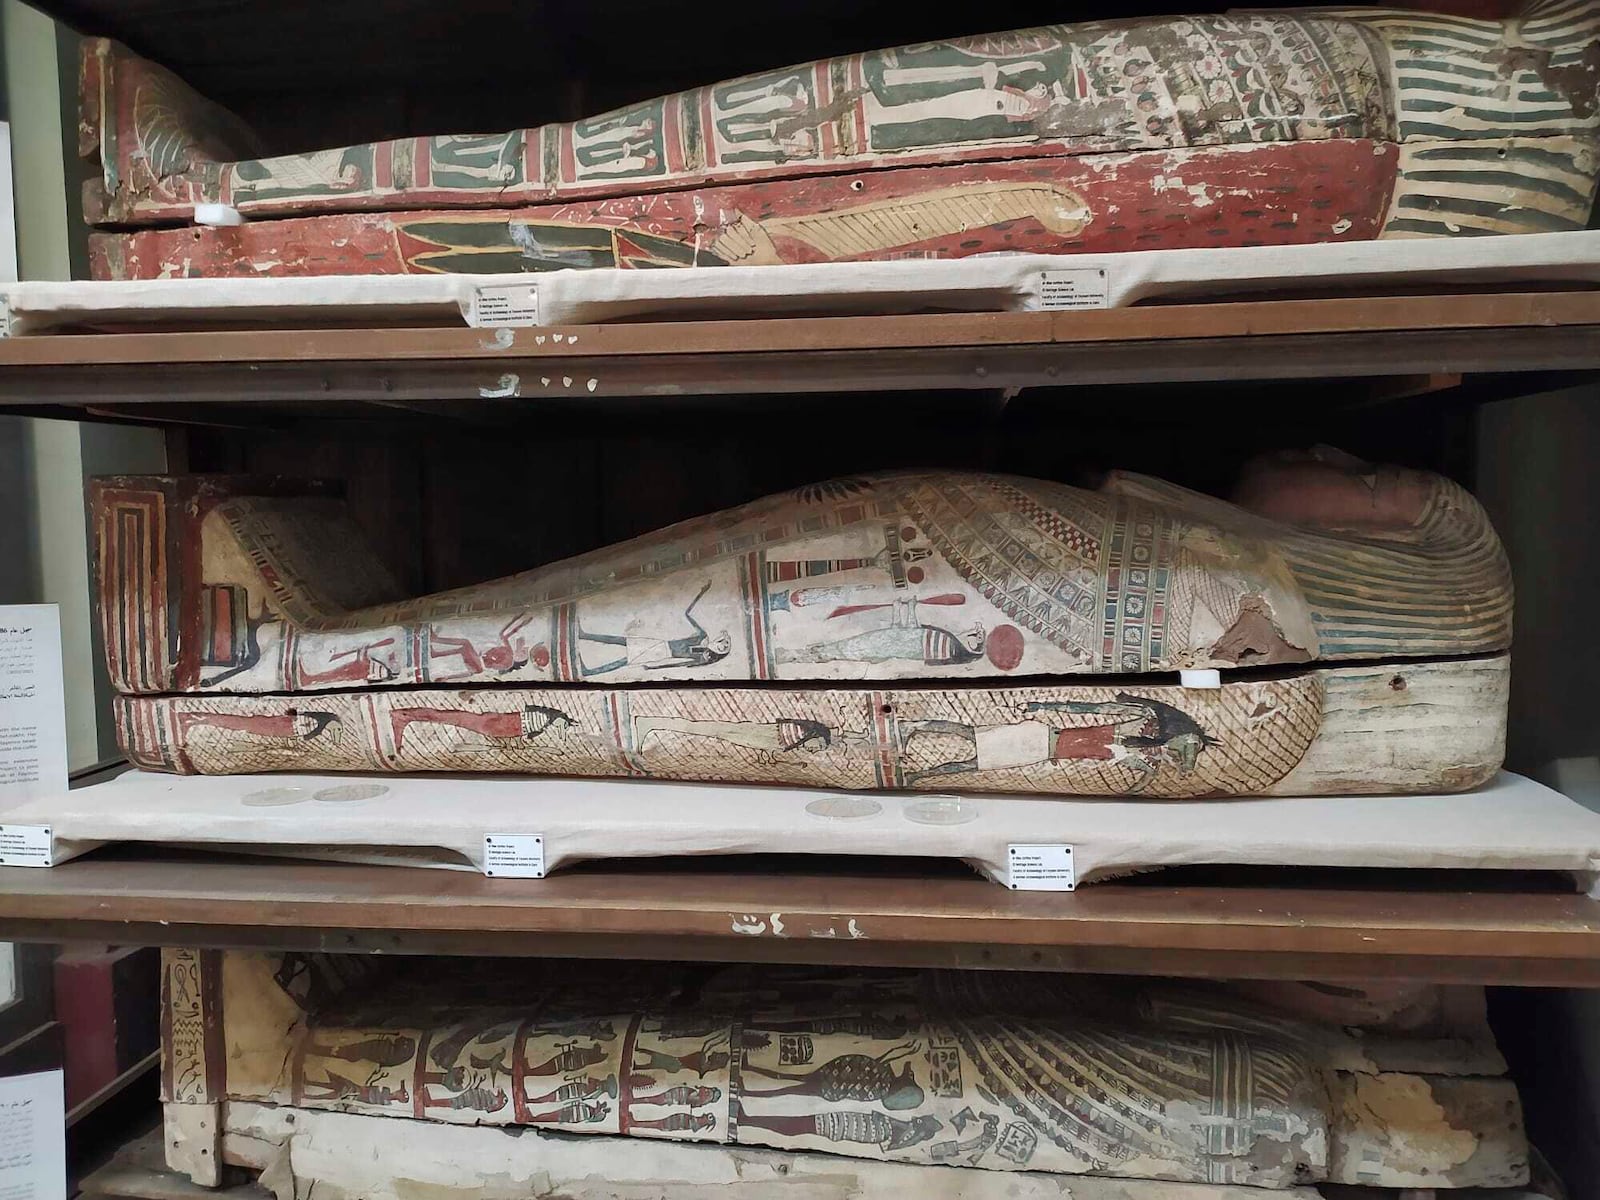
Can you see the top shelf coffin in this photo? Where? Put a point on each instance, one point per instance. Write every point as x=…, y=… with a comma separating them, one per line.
x=1254, y=128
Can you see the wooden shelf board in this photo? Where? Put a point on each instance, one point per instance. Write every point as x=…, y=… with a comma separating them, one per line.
x=1341, y=337
x=1548, y=939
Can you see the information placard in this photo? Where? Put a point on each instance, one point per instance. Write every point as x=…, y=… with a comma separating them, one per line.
x=513, y=856
x=504, y=305
x=33, y=713
x=1040, y=868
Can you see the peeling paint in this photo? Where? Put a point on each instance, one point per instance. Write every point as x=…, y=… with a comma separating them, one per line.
x=503, y=339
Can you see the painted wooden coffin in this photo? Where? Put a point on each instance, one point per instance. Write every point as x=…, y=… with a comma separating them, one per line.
x=1246, y=129
x=1267, y=1085
x=922, y=629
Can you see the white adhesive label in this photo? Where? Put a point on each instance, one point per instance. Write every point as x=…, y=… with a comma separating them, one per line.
x=1040, y=868
x=504, y=305
x=1074, y=287
x=25, y=846
x=513, y=856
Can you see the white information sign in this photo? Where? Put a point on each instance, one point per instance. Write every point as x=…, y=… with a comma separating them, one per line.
x=1040, y=868
x=1074, y=287
x=33, y=711
x=504, y=305
x=33, y=1137
x=513, y=856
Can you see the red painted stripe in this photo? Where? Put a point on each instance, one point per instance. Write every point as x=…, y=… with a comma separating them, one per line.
x=708, y=129
x=375, y=735
x=858, y=108
x=569, y=161
x=822, y=78
x=672, y=135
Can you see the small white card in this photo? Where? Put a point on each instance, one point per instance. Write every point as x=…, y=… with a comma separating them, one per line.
x=513, y=856
x=33, y=1137
x=1074, y=287
x=503, y=305
x=33, y=709
x=25, y=846
x=1040, y=868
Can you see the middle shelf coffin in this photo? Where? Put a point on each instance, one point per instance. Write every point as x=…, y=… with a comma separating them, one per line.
x=929, y=630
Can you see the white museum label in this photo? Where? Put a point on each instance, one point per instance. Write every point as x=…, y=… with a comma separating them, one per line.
x=513, y=856
x=1074, y=287
x=33, y=710
x=25, y=846
x=1040, y=868
x=33, y=1137
x=504, y=305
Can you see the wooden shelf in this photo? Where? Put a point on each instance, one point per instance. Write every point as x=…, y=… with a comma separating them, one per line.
x=1432, y=336
x=1348, y=933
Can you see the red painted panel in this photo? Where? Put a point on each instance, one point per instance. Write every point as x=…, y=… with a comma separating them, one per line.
x=1276, y=194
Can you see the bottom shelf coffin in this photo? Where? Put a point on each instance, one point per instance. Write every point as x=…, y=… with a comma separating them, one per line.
x=1264, y=1085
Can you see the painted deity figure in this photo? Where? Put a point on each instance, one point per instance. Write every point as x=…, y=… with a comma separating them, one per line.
x=654, y=652
x=508, y=652
x=860, y=1077
x=374, y=663
x=904, y=634
x=771, y=738
x=526, y=724
x=850, y=1125
x=286, y=730
x=1145, y=734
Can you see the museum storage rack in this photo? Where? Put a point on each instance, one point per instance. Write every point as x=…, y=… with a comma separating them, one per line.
x=1401, y=369
x=650, y=422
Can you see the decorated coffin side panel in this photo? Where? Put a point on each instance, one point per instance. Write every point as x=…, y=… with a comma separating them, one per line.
x=1426, y=727
x=928, y=576
x=1116, y=1077
x=1162, y=84
x=1522, y=90
x=1278, y=193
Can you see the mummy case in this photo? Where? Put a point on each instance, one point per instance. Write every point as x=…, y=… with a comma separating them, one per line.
x=1398, y=1086
x=1254, y=128
x=916, y=630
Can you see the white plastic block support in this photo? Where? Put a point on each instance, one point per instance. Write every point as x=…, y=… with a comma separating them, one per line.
x=217, y=215
x=1200, y=679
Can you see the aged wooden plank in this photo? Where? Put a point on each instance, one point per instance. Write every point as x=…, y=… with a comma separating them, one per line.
x=217, y=391
x=1249, y=318
x=1242, y=932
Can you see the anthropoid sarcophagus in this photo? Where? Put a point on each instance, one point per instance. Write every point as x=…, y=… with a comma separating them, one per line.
x=1266, y=1085
x=1255, y=128
x=913, y=630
